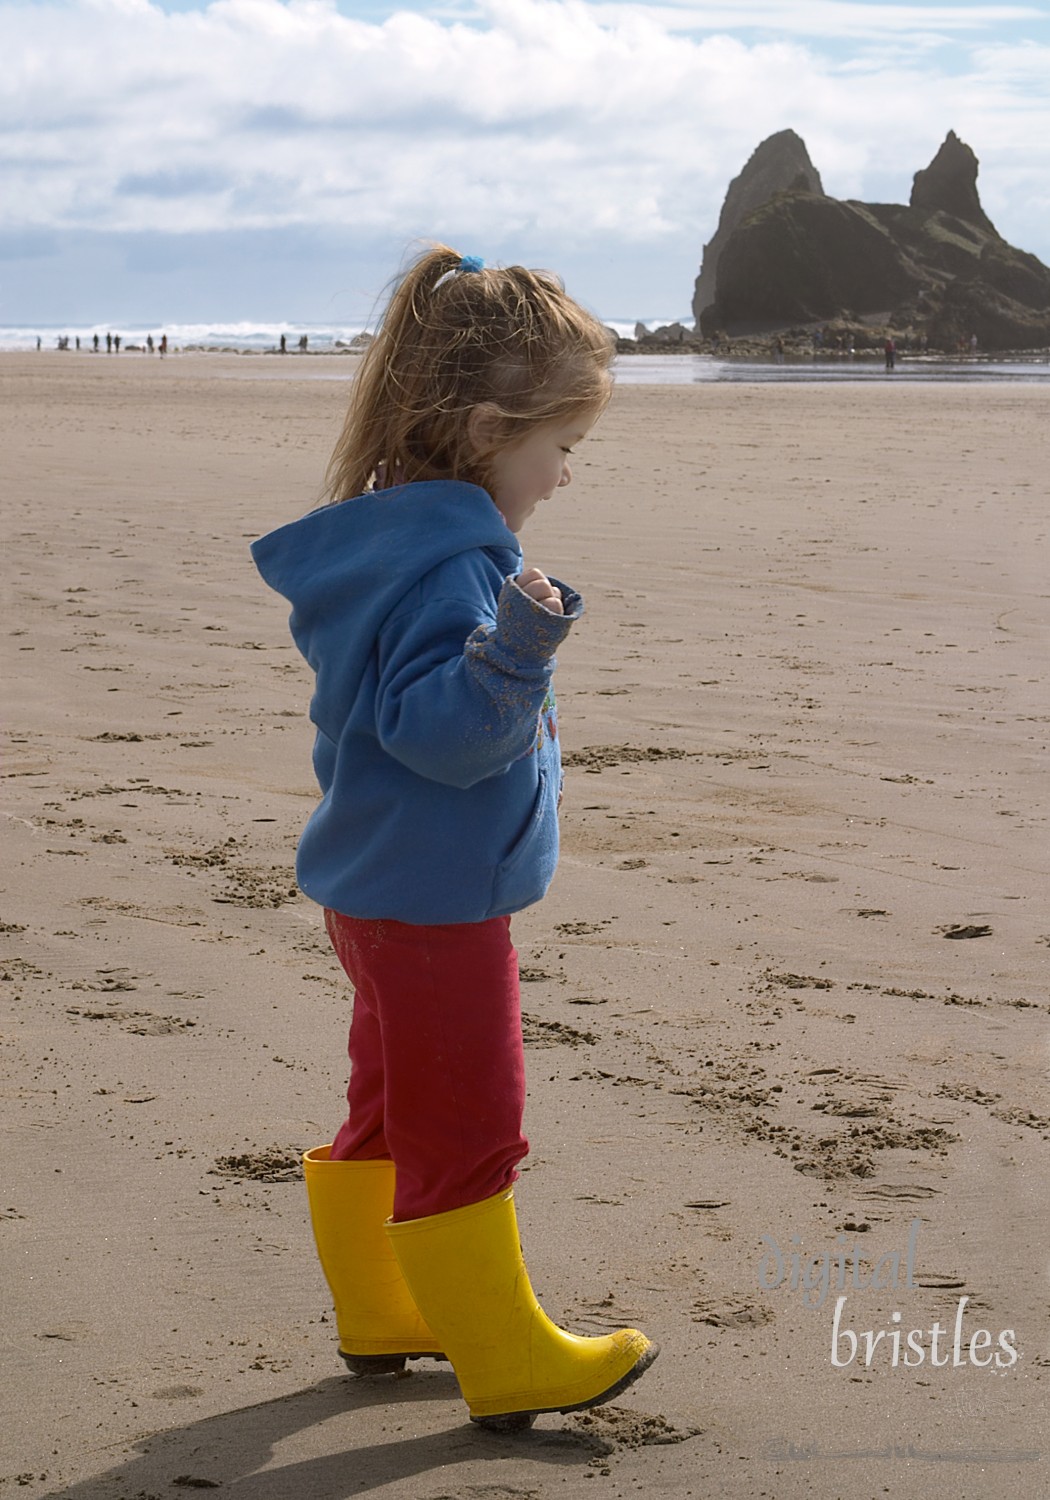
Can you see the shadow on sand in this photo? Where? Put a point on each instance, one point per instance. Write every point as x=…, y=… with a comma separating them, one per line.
x=228, y=1451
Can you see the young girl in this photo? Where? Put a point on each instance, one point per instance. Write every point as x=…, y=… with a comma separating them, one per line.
x=439, y=766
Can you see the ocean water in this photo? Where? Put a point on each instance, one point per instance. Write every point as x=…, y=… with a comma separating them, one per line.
x=248, y=338
x=641, y=369
x=702, y=369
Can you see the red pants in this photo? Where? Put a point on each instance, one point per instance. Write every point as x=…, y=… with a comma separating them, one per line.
x=437, y=1069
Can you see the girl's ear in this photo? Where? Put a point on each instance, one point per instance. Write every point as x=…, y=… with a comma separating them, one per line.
x=484, y=427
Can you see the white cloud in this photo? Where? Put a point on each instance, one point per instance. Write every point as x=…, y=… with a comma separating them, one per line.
x=836, y=19
x=570, y=119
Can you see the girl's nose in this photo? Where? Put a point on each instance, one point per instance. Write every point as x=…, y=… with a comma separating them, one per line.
x=566, y=474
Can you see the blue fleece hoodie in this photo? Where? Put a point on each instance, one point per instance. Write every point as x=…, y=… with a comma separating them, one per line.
x=436, y=749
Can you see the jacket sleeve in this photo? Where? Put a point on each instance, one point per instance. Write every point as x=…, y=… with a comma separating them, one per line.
x=458, y=701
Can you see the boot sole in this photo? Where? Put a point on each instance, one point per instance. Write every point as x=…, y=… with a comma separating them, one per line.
x=520, y=1421
x=382, y=1364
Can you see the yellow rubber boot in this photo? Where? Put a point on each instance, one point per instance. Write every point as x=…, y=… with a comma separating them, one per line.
x=379, y=1324
x=468, y=1278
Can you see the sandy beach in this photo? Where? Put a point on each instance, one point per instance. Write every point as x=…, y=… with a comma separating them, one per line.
x=788, y=996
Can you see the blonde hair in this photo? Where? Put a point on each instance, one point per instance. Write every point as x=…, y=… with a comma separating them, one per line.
x=455, y=338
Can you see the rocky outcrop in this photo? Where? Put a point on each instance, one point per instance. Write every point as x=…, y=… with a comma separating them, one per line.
x=779, y=164
x=949, y=185
x=935, y=266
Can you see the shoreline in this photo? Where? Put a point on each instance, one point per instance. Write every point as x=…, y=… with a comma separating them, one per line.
x=653, y=368
x=743, y=349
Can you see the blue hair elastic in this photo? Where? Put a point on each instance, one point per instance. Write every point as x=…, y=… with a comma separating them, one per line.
x=466, y=263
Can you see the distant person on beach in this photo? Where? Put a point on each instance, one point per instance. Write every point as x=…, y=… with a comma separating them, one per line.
x=890, y=349
x=109, y=343
x=284, y=344
x=438, y=758
x=94, y=343
x=163, y=344
x=116, y=343
x=149, y=342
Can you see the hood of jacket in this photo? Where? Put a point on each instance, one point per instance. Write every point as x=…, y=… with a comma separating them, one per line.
x=344, y=568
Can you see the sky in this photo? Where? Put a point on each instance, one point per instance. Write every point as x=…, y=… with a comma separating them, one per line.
x=184, y=161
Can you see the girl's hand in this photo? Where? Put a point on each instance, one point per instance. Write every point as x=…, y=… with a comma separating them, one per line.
x=539, y=587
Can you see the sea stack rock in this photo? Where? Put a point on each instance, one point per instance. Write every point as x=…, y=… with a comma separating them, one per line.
x=780, y=164
x=949, y=185
x=935, y=266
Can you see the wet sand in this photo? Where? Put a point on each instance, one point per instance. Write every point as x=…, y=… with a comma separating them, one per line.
x=790, y=981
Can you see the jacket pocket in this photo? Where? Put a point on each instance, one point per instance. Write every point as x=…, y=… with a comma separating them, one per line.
x=524, y=875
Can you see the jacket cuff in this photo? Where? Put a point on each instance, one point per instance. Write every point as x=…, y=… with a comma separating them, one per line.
x=527, y=629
